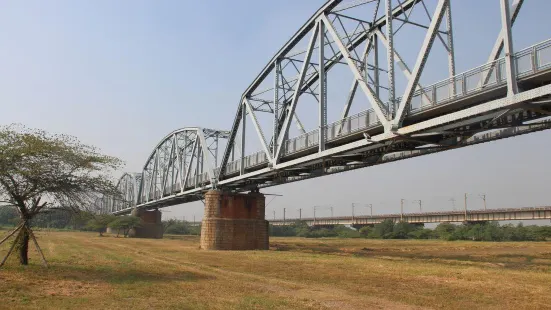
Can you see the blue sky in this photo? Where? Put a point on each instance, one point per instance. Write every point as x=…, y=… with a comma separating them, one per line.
x=122, y=74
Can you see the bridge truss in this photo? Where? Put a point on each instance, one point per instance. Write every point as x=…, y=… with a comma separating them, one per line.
x=508, y=96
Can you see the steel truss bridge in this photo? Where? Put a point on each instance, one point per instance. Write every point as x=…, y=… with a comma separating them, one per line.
x=512, y=214
x=509, y=95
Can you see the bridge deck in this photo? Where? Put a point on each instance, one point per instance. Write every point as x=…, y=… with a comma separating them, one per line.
x=538, y=213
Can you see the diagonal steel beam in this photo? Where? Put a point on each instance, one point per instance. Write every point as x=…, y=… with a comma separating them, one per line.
x=375, y=102
x=498, y=46
x=188, y=168
x=258, y=129
x=296, y=94
x=420, y=63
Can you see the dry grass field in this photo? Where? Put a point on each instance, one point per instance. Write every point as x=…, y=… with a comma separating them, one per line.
x=89, y=272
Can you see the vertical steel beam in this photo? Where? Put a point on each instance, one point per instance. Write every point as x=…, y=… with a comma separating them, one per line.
x=296, y=94
x=420, y=63
x=277, y=72
x=198, y=165
x=232, y=154
x=174, y=160
x=390, y=59
x=323, y=89
x=405, y=69
x=510, y=65
x=183, y=159
x=451, y=53
x=243, y=131
x=141, y=188
x=216, y=150
x=376, y=73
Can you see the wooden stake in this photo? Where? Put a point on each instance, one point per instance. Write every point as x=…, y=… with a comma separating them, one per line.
x=37, y=247
x=11, y=234
x=11, y=248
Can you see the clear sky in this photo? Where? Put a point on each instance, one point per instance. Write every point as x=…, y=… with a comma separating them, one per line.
x=122, y=74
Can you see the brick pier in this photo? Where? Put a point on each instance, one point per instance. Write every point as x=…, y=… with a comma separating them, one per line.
x=234, y=222
x=151, y=226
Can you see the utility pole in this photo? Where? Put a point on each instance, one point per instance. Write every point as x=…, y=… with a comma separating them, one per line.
x=283, y=216
x=402, y=209
x=274, y=214
x=352, y=212
x=465, y=207
x=483, y=196
x=300, y=214
x=453, y=203
x=371, y=208
x=420, y=207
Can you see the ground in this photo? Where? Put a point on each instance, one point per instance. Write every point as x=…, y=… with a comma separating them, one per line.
x=91, y=272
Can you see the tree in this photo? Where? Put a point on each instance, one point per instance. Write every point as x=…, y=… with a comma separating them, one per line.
x=168, y=223
x=100, y=222
x=445, y=230
x=125, y=223
x=365, y=231
x=382, y=230
x=39, y=171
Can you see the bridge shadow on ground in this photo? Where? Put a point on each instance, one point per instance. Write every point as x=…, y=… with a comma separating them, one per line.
x=106, y=274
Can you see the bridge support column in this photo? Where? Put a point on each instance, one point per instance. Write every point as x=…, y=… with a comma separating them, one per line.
x=234, y=222
x=151, y=226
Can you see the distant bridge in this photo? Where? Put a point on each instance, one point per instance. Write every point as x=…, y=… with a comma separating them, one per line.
x=517, y=214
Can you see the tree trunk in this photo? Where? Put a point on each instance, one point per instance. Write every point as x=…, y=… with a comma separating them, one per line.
x=24, y=246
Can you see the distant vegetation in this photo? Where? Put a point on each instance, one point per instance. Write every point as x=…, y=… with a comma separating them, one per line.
x=176, y=227
x=86, y=221
x=483, y=231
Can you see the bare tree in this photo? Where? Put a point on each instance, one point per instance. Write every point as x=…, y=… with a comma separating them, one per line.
x=40, y=171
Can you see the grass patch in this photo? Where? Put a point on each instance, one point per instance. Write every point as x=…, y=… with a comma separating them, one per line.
x=90, y=272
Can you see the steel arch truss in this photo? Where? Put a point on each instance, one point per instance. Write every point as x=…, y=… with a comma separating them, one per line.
x=185, y=160
x=103, y=205
x=128, y=187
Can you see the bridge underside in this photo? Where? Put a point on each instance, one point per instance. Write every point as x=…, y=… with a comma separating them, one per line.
x=465, y=123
